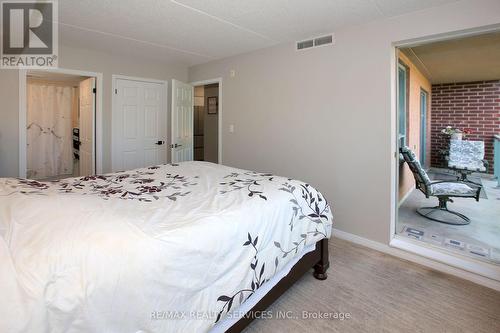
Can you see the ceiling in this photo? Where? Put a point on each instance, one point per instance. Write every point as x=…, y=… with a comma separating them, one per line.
x=198, y=31
x=468, y=59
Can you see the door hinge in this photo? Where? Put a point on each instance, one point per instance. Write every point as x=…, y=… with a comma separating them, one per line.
x=94, y=90
x=116, y=91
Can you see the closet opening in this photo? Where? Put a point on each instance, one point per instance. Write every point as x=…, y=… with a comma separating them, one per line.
x=60, y=125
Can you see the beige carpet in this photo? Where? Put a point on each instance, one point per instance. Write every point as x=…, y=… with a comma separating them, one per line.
x=384, y=294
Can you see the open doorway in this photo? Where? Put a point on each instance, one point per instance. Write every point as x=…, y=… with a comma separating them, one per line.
x=196, y=121
x=448, y=111
x=206, y=123
x=60, y=125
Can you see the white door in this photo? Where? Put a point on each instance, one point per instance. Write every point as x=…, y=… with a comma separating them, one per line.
x=139, y=124
x=87, y=111
x=182, y=122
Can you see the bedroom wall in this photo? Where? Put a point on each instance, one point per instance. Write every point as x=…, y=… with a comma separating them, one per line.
x=80, y=59
x=9, y=103
x=324, y=115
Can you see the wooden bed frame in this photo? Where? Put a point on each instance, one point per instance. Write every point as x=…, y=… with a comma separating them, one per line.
x=317, y=259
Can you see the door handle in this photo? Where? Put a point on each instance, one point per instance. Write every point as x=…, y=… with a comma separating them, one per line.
x=175, y=145
x=159, y=142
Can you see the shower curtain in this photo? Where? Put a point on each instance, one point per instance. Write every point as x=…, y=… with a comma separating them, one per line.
x=49, y=130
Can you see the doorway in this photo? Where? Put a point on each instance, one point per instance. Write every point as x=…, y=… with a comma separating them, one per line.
x=206, y=123
x=60, y=121
x=447, y=200
x=61, y=76
x=197, y=121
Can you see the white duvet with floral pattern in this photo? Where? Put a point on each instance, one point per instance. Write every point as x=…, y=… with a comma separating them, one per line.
x=170, y=248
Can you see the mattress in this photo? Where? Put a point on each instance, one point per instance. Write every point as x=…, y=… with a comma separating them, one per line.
x=169, y=248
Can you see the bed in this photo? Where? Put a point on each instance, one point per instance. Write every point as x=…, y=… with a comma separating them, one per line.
x=189, y=247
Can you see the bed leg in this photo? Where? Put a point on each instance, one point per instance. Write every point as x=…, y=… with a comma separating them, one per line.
x=322, y=266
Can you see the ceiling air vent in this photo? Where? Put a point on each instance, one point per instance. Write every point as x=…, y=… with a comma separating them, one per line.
x=315, y=42
x=323, y=40
x=305, y=44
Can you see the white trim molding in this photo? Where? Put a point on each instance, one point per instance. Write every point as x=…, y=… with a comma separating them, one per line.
x=430, y=258
x=23, y=165
x=136, y=78
x=219, y=138
x=98, y=117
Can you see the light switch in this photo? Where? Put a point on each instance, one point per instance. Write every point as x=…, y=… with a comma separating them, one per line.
x=232, y=73
x=231, y=128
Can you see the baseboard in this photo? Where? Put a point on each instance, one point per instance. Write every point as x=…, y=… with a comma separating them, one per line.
x=439, y=266
x=403, y=199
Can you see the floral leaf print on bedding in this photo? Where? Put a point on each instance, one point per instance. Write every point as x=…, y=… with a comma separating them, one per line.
x=146, y=185
x=257, y=280
x=316, y=208
x=294, y=249
x=35, y=185
x=249, y=181
x=308, y=205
